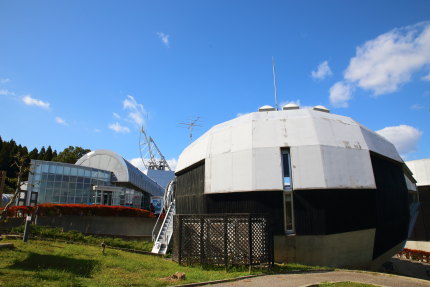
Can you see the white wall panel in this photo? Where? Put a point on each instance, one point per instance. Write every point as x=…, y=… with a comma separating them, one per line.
x=267, y=169
x=241, y=136
x=220, y=141
x=347, y=168
x=379, y=144
x=221, y=173
x=242, y=170
x=194, y=153
x=420, y=171
x=300, y=132
x=307, y=167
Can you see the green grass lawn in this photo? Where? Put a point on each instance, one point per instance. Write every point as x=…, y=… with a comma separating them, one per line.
x=42, y=263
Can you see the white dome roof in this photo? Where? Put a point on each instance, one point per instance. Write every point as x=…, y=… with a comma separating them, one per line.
x=123, y=170
x=327, y=151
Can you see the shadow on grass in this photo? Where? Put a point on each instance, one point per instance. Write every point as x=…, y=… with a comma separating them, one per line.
x=37, y=262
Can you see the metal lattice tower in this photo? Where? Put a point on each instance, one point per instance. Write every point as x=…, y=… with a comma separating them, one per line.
x=150, y=154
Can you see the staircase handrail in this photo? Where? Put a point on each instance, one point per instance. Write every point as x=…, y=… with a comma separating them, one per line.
x=165, y=218
x=167, y=198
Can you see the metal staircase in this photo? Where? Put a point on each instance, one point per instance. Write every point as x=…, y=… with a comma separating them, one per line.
x=162, y=239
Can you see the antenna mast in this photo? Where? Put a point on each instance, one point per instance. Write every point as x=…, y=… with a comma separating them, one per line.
x=274, y=81
x=190, y=125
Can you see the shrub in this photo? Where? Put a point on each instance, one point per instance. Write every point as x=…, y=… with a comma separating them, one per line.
x=49, y=209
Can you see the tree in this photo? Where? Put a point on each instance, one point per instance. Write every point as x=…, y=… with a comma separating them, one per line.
x=21, y=164
x=42, y=153
x=71, y=154
x=48, y=155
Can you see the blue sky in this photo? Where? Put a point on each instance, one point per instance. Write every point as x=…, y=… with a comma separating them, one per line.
x=88, y=73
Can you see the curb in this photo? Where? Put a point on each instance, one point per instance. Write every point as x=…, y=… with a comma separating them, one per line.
x=218, y=281
x=246, y=277
x=302, y=272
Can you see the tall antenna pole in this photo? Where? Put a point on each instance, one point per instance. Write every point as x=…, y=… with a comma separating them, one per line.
x=274, y=81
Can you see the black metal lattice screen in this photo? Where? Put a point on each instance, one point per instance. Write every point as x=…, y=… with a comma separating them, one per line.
x=227, y=239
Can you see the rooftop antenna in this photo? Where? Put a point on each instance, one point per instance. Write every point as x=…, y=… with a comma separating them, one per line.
x=274, y=81
x=190, y=125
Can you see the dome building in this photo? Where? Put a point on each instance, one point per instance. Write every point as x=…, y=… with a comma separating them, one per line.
x=336, y=192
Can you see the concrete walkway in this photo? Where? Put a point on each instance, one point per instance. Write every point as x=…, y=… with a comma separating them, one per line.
x=306, y=279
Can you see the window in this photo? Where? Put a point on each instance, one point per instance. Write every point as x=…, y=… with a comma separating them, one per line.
x=288, y=212
x=288, y=192
x=286, y=170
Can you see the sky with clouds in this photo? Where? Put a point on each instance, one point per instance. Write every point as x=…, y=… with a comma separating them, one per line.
x=91, y=73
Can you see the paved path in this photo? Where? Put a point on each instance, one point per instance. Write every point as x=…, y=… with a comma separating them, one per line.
x=306, y=279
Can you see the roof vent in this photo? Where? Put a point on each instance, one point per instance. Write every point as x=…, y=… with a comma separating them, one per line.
x=266, y=108
x=290, y=107
x=321, y=109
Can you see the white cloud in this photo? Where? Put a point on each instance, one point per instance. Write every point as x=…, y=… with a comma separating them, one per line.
x=6, y=93
x=323, y=71
x=60, y=121
x=164, y=38
x=136, y=111
x=340, y=94
x=426, y=78
x=416, y=107
x=173, y=162
x=97, y=130
x=381, y=65
x=4, y=81
x=28, y=100
x=137, y=162
x=115, y=115
x=404, y=138
x=119, y=128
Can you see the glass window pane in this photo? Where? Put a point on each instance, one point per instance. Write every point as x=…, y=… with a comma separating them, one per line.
x=52, y=168
x=73, y=171
x=67, y=170
x=45, y=168
x=60, y=169
x=81, y=172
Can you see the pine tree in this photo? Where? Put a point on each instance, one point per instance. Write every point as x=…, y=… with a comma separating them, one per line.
x=48, y=154
x=42, y=153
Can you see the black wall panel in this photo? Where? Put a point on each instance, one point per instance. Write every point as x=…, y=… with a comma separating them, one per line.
x=392, y=209
x=321, y=212
x=421, y=230
x=191, y=200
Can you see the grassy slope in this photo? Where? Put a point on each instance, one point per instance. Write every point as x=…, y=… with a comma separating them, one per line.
x=41, y=263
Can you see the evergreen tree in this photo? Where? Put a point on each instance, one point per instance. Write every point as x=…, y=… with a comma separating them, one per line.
x=33, y=154
x=42, y=153
x=48, y=154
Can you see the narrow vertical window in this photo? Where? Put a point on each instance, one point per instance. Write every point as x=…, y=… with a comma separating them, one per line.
x=288, y=193
x=286, y=169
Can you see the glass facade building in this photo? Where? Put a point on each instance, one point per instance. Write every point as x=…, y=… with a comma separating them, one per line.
x=57, y=182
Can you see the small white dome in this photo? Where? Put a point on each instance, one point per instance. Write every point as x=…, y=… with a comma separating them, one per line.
x=321, y=109
x=266, y=108
x=290, y=106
